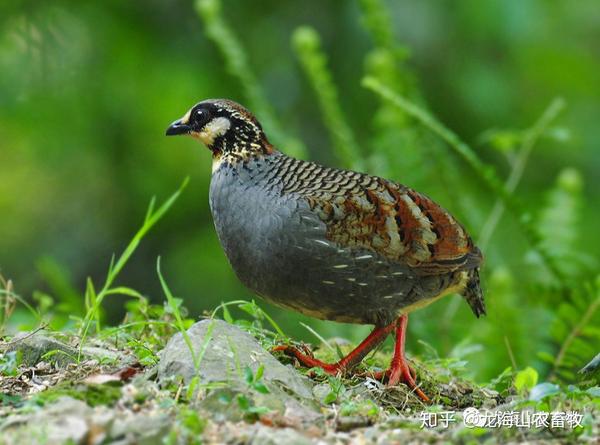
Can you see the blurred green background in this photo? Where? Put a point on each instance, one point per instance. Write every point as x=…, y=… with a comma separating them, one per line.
x=87, y=90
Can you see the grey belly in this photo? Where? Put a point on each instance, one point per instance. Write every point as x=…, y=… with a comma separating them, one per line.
x=279, y=249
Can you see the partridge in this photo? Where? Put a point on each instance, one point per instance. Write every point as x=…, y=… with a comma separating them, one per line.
x=332, y=244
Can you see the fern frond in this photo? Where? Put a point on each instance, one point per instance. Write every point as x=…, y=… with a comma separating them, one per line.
x=575, y=331
x=558, y=228
x=400, y=148
x=376, y=19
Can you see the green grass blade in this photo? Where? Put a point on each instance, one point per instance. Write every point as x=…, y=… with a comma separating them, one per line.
x=320, y=337
x=115, y=267
x=178, y=318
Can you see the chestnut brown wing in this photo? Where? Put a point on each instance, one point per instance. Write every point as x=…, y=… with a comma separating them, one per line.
x=367, y=212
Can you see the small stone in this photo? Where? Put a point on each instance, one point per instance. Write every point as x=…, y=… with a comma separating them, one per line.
x=228, y=352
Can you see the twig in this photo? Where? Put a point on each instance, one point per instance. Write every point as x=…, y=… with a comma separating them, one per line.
x=41, y=327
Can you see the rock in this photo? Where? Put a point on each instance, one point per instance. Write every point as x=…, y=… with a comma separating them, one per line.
x=279, y=436
x=105, y=355
x=227, y=352
x=72, y=421
x=64, y=421
x=147, y=429
x=33, y=349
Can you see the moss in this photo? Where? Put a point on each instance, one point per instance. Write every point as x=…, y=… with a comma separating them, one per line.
x=93, y=395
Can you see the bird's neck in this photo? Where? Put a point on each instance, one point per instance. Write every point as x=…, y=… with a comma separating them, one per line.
x=236, y=152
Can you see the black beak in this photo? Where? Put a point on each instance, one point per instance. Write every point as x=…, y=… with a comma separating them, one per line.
x=178, y=127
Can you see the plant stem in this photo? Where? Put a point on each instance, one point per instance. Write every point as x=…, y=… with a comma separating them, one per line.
x=307, y=44
x=531, y=137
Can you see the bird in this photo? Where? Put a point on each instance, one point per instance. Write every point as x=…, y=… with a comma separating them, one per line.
x=330, y=243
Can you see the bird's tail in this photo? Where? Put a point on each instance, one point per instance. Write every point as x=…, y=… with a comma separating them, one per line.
x=473, y=293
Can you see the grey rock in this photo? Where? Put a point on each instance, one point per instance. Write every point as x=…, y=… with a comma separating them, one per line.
x=227, y=352
x=33, y=349
x=321, y=390
x=65, y=421
x=279, y=436
x=107, y=356
x=72, y=421
x=144, y=429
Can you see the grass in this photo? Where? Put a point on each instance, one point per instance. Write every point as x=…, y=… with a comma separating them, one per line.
x=95, y=299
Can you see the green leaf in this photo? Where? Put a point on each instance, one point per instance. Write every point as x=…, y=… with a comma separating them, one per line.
x=251, y=309
x=259, y=372
x=248, y=376
x=243, y=402
x=592, y=365
x=122, y=290
x=546, y=356
x=526, y=379
x=227, y=315
x=330, y=398
x=192, y=387
x=261, y=388
x=258, y=410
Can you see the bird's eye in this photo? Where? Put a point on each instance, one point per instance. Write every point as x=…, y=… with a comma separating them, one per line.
x=199, y=115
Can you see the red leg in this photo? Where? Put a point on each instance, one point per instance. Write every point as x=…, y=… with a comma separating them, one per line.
x=374, y=339
x=400, y=371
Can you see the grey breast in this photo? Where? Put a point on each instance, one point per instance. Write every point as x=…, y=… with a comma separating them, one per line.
x=279, y=249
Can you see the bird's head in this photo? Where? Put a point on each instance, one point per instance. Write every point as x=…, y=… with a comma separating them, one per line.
x=224, y=126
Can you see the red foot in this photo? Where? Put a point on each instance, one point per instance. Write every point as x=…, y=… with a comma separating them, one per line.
x=385, y=375
x=308, y=360
x=399, y=372
x=374, y=339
